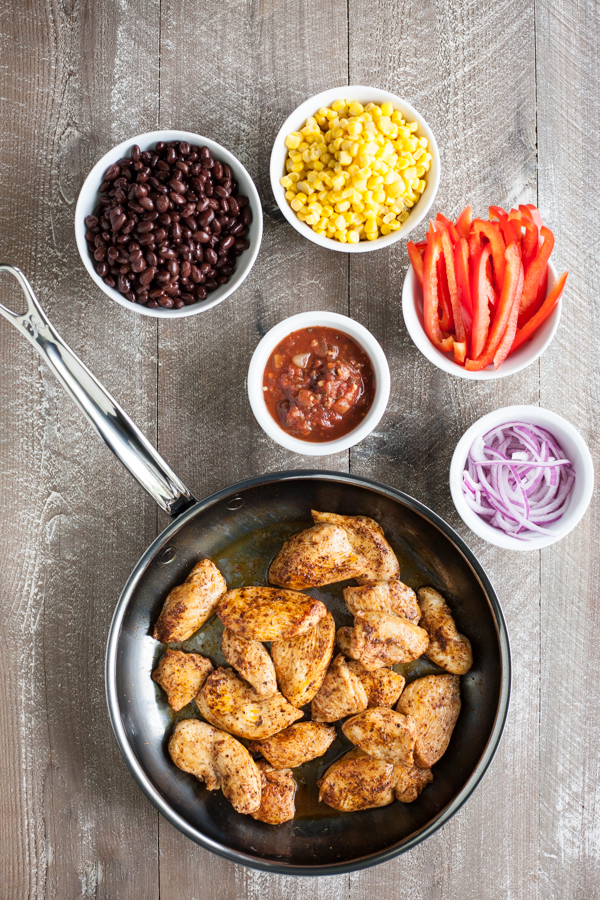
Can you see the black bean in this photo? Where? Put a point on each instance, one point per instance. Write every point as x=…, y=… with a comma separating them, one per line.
x=135, y=153
x=102, y=269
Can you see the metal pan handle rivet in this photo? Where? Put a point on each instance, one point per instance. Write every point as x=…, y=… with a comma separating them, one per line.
x=167, y=556
x=235, y=503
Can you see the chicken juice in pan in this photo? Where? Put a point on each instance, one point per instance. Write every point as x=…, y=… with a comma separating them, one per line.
x=247, y=562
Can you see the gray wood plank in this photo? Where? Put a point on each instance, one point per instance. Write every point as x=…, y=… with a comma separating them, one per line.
x=568, y=44
x=469, y=69
x=74, y=80
x=273, y=55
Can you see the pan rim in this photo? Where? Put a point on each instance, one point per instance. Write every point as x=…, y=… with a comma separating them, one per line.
x=257, y=862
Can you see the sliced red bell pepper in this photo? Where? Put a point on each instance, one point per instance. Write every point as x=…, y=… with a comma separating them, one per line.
x=534, y=275
x=463, y=223
x=528, y=209
x=448, y=259
x=460, y=352
x=446, y=314
x=463, y=285
x=450, y=226
x=416, y=260
x=530, y=243
x=511, y=329
x=481, y=306
x=476, y=242
x=494, y=236
x=549, y=305
x=509, y=232
x=431, y=299
x=512, y=258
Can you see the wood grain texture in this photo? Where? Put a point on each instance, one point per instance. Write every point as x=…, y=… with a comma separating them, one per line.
x=568, y=44
x=72, y=520
x=467, y=68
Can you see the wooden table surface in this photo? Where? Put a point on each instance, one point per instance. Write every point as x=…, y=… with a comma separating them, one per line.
x=510, y=89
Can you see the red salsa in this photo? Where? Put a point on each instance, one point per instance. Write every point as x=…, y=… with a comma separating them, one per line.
x=318, y=384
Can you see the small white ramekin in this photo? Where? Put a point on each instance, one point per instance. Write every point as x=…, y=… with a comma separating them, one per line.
x=364, y=95
x=88, y=198
x=575, y=449
x=412, y=310
x=347, y=326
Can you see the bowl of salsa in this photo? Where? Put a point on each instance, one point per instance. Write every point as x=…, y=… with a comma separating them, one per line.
x=318, y=383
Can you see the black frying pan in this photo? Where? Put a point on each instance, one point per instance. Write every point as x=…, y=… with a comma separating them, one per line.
x=241, y=529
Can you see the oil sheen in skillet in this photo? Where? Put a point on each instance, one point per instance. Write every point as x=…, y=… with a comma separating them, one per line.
x=318, y=384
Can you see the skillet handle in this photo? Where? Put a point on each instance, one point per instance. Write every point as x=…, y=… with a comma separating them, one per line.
x=110, y=421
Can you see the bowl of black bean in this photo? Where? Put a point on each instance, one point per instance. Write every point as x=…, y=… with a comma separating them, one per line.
x=168, y=223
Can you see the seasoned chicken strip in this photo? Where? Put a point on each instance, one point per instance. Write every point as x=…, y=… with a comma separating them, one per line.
x=381, y=639
x=301, y=662
x=356, y=781
x=383, y=686
x=367, y=538
x=251, y=659
x=316, y=556
x=434, y=703
x=341, y=694
x=219, y=760
x=229, y=703
x=410, y=781
x=385, y=596
x=191, y=604
x=343, y=638
x=277, y=795
x=181, y=675
x=269, y=614
x=296, y=745
x=383, y=734
x=447, y=648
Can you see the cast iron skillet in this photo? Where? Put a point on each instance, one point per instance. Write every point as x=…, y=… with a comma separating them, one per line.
x=241, y=529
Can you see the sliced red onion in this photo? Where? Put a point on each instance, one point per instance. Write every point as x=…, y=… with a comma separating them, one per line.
x=518, y=479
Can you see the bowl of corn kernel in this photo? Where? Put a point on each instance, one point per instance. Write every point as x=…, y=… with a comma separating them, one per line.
x=355, y=169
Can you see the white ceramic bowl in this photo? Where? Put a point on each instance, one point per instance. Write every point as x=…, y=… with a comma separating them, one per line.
x=412, y=310
x=575, y=449
x=364, y=95
x=326, y=320
x=88, y=198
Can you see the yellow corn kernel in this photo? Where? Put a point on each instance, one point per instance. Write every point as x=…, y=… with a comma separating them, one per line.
x=386, y=108
x=342, y=207
x=413, y=126
x=289, y=195
x=372, y=235
x=297, y=204
x=340, y=223
x=339, y=106
x=385, y=229
x=344, y=158
x=293, y=140
x=421, y=186
x=403, y=216
x=353, y=237
x=355, y=108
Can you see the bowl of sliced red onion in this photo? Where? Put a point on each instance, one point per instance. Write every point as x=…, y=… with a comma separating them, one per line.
x=521, y=477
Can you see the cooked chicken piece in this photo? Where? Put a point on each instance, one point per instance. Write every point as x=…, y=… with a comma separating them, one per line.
x=343, y=638
x=251, y=659
x=383, y=686
x=219, y=760
x=316, y=556
x=410, y=781
x=191, y=604
x=269, y=614
x=340, y=695
x=382, y=639
x=447, y=648
x=383, y=734
x=385, y=596
x=434, y=703
x=181, y=675
x=229, y=703
x=357, y=781
x=296, y=745
x=301, y=662
x=367, y=538
x=277, y=795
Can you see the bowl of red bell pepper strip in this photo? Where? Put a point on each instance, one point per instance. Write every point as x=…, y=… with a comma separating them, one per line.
x=481, y=298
